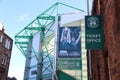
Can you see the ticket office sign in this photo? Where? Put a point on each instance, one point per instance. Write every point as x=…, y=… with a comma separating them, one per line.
x=94, y=32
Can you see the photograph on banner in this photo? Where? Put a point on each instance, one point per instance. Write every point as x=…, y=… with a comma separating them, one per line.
x=70, y=41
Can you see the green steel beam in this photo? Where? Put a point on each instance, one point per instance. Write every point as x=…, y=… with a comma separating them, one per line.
x=48, y=9
x=32, y=28
x=29, y=25
x=34, y=53
x=46, y=17
x=48, y=53
x=71, y=7
x=21, y=50
x=26, y=37
x=49, y=29
x=47, y=68
x=48, y=56
x=23, y=46
x=21, y=42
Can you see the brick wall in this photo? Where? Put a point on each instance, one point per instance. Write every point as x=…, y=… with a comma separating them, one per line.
x=106, y=63
x=5, y=54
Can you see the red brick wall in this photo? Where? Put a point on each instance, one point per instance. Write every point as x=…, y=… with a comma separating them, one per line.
x=106, y=63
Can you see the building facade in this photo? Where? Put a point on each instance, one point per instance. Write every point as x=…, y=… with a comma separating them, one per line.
x=5, y=53
x=105, y=63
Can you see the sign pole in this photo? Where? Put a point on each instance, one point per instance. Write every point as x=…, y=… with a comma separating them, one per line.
x=88, y=7
x=89, y=51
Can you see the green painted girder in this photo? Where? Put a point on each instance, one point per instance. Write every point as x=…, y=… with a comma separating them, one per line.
x=32, y=28
x=24, y=46
x=56, y=5
x=23, y=32
x=48, y=56
x=47, y=68
x=47, y=53
x=34, y=66
x=53, y=6
x=40, y=28
x=21, y=42
x=45, y=76
x=71, y=7
x=27, y=37
x=46, y=17
x=34, y=52
x=49, y=37
x=21, y=49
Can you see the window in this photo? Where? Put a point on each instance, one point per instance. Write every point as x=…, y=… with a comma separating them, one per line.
x=4, y=59
x=34, y=72
x=7, y=44
x=1, y=38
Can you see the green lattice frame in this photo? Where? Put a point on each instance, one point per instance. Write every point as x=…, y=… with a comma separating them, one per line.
x=45, y=19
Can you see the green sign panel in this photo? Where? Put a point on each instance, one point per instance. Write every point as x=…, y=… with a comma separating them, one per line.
x=64, y=76
x=69, y=64
x=94, y=32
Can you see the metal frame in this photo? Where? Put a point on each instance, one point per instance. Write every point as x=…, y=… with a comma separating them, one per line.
x=44, y=21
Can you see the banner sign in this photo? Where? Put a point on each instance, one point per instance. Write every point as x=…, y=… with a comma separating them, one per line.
x=70, y=64
x=94, y=32
x=69, y=42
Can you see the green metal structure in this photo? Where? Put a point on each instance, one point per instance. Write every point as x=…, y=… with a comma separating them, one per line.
x=42, y=23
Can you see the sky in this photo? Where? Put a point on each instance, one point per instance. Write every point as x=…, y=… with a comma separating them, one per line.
x=17, y=14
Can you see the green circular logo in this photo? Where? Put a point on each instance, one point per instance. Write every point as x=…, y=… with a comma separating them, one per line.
x=93, y=22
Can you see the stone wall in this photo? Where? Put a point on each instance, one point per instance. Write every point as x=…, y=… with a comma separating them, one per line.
x=5, y=54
